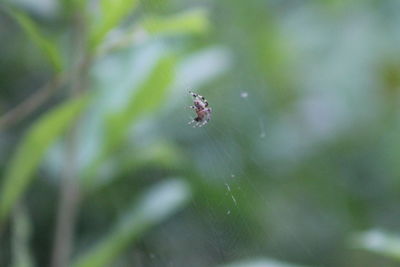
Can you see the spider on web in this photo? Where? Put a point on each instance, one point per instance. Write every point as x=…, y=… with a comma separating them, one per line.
x=202, y=110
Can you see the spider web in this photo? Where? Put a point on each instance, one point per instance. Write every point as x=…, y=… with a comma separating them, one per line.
x=219, y=228
x=247, y=204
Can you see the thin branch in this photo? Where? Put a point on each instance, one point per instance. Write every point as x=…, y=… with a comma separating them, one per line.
x=70, y=193
x=29, y=105
x=70, y=197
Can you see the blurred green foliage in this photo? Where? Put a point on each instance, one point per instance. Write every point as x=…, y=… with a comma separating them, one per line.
x=47, y=45
x=111, y=14
x=28, y=155
x=298, y=163
x=153, y=208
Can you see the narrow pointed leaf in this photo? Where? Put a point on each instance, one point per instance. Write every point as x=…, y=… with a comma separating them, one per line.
x=45, y=44
x=31, y=150
x=112, y=13
x=148, y=97
x=189, y=22
x=145, y=99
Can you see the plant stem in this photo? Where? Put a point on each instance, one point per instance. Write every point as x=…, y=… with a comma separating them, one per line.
x=67, y=209
x=29, y=105
x=70, y=194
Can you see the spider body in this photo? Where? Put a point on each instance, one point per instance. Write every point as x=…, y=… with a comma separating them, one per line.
x=203, y=112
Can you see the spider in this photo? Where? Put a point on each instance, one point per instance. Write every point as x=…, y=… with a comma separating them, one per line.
x=202, y=110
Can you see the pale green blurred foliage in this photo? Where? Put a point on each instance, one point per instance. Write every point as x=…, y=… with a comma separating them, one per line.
x=298, y=163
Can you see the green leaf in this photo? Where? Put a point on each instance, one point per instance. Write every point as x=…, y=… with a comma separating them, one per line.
x=32, y=148
x=155, y=206
x=190, y=22
x=144, y=100
x=48, y=46
x=379, y=242
x=112, y=13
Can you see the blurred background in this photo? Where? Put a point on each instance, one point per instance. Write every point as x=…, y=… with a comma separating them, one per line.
x=299, y=165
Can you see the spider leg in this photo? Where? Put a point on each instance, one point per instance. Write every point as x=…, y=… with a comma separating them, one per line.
x=200, y=97
x=207, y=119
x=203, y=99
x=197, y=119
x=193, y=94
x=198, y=122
